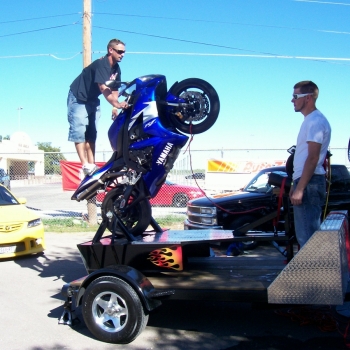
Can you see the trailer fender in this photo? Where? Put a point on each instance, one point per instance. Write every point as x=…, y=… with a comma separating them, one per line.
x=139, y=282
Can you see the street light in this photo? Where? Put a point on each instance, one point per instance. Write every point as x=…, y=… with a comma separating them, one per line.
x=19, y=118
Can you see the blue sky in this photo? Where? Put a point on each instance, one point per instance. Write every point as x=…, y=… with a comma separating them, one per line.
x=251, y=51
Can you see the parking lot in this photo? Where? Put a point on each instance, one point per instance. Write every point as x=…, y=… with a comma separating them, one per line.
x=51, y=201
x=32, y=304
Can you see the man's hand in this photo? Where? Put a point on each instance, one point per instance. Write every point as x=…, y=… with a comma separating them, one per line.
x=314, y=149
x=296, y=196
x=114, y=113
x=122, y=105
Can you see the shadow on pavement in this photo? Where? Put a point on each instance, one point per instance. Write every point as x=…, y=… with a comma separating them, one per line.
x=66, y=268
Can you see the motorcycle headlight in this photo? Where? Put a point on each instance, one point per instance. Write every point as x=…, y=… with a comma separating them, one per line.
x=34, y=223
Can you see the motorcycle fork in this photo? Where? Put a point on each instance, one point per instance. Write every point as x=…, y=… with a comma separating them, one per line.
x=140, y=189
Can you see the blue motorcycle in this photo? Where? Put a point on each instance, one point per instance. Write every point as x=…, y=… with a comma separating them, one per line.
x=146, y=139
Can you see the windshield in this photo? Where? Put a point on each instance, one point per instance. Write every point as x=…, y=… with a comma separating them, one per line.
x=6, y=197
x=126, y=89
x=259, y=182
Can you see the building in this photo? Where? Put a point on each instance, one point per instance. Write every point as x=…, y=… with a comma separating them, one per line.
x=20, y=158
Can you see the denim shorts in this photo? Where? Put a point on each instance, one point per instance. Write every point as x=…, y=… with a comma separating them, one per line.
x=83, y=118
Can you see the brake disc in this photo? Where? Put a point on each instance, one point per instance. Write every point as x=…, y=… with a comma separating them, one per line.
x=199, y=105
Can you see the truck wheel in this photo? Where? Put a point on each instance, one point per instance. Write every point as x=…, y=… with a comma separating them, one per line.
x=113, y=311
x=242, y=221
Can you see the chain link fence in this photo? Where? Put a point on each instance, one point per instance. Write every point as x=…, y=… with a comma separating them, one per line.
x=39, y=179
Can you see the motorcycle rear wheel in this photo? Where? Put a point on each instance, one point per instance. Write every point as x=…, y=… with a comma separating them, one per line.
x=204, y=102
x=135, y=219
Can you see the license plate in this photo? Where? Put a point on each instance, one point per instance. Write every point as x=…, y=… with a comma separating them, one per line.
x=9, y=249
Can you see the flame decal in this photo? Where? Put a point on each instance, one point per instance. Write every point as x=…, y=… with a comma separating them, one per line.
x=170, y=258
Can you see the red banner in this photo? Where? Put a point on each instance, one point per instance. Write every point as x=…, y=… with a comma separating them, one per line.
x=70, y=174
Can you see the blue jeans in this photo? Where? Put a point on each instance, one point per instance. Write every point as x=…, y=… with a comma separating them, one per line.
x=307, y=215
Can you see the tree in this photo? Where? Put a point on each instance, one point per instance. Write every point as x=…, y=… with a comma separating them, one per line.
x=52, y=158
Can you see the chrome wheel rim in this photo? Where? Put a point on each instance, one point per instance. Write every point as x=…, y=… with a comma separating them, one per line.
x=110, y=312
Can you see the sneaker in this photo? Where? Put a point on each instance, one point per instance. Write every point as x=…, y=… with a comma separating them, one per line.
x=88, y=169
x=81, y=174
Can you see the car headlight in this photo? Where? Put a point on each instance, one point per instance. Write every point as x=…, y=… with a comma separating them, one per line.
x=208, y=211
x=196, y=194
x=208, y=221
x=34, y=223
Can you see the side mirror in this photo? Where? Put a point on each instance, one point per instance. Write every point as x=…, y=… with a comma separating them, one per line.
x=22, y=200
x=112, y=84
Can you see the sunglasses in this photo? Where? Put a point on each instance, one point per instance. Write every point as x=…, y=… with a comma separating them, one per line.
x=119, y=52
x=296, y=96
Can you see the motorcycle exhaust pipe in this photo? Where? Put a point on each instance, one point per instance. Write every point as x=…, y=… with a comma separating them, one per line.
x=90, y=191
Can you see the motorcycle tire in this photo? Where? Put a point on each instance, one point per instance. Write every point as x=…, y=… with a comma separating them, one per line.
x=205, y=102
x=135, y=219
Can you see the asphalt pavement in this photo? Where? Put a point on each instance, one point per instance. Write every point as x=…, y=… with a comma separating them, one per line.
x=49, y=200
x=31, y=305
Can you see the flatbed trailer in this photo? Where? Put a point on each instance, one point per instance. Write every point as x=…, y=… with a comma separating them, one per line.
x=129, y=276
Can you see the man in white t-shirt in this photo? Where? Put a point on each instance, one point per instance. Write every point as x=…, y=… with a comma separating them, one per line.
x=308, y=192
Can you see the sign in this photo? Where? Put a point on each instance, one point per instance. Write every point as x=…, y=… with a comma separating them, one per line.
x=225, y=166
x=70, y=174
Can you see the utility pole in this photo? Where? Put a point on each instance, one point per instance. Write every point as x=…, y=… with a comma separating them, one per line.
x=87, y=18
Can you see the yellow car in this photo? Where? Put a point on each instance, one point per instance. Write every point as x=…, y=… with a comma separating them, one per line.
x=21, y=230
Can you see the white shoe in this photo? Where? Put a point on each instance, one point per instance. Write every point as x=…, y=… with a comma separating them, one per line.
x=81, y=174
x=88, y=169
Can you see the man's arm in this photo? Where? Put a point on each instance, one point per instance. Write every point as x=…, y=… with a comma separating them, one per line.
x=311, y=161
x=111, y=96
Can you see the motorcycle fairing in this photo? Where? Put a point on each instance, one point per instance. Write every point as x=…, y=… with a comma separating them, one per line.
x=141, y=139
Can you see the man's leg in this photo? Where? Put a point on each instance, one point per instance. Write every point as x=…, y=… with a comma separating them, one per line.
x=93, y=109
x=78, y=121
x=82, y=153
x=90, y=151
x=307, y=216
x=303, y=230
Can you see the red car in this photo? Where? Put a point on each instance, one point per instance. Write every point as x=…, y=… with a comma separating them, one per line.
x=170, y=194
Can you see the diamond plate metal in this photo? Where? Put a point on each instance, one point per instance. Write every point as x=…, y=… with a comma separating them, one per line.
x=319, y=273
x=183, y=236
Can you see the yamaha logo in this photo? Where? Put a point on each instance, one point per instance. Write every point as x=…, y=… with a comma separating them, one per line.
x=162, y=157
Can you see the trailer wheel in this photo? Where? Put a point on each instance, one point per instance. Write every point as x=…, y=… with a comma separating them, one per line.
x=113, y=311
x=242, y=221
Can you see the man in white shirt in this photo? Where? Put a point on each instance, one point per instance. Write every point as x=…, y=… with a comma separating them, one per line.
x=308, y=192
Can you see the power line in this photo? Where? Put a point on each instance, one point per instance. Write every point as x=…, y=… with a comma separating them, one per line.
x=324, y=2
x=186, y=41
x=198, y=20
x=332, y=60
x=206, y=44
x=42, y=55
x=38, y=30
x=226, y=22
x=35, y=18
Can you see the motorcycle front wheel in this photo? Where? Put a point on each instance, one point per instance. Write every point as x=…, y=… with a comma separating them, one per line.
x=203, y=106
x=136, y=219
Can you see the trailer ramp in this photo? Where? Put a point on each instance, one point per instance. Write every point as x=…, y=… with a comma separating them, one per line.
x=319, y=273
